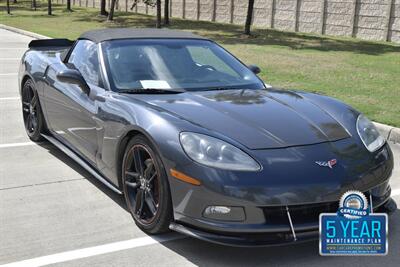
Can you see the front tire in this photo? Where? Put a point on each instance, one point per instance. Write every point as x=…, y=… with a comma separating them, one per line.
x=145, y=186
x=31, y=112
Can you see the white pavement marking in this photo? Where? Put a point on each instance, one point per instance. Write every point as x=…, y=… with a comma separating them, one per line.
x=92, y=251
x=9, y=98
x=395, y=192
x=17, y=144
x=10, y=58
x=8, y=74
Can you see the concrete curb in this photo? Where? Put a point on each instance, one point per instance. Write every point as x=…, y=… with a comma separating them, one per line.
x=23, y=32
x=391, y=133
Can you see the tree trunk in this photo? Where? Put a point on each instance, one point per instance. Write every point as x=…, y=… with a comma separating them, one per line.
x=158, y=23
x=49, y=9
x=34, y=4
x=103, y=11
x=69, y=5
x=166, y=12
x=112, y=7
x=15, y=1
x=8, y=7
x=249, y=17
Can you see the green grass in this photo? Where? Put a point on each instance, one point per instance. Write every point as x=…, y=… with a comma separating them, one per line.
x=364, y=74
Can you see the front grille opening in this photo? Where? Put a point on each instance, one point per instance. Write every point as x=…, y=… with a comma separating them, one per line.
x=301, y=214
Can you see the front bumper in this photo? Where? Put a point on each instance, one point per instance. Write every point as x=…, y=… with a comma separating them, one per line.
x=295, y=189
x=288, y=233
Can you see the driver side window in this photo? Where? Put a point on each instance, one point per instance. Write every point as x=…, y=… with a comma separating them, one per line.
x=84, y=57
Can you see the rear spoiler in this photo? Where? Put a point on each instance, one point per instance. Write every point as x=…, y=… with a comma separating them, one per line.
x=50, y=42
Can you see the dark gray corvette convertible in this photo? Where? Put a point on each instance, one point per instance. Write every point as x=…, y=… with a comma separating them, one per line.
x=195, y=141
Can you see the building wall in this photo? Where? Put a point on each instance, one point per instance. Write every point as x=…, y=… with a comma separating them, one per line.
x=365, y=19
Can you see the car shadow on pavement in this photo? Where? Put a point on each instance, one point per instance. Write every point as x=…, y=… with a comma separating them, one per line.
x=207, y=254
x=53, y=150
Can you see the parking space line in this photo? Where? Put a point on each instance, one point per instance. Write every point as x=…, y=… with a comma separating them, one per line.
x=8, y=74
x=41, y=184
x=94, y=251
x=17, y=144
x=9, y=98
x=395, y=192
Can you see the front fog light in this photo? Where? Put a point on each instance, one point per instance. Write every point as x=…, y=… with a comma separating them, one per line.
x=224, y=213
x=217, y=210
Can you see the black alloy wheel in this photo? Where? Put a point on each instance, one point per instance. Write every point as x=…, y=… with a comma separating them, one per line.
x=145, y=187
x=31, y=111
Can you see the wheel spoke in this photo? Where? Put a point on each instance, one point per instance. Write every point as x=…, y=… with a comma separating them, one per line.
x=138, y=161
x=34, y=101
x=139, y=202
x=133, y=185
x=129, y=175
x=151, y=204
x=29, y=122
x=131, y=179
x=129, y=161
x=149, y=163
x=25, y=101
x=150, y=171
x=33, y=121
x=152, y=177
x=29, y=93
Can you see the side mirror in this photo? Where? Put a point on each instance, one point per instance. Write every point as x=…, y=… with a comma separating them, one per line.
x=75, y=77
x=255, y=69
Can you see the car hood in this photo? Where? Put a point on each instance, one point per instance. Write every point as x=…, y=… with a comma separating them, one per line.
x=258, y=119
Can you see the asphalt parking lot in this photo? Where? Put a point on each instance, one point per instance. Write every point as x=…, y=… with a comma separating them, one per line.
x=54, y=212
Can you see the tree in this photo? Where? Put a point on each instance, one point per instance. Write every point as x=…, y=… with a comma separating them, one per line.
x=69, y=5
x=8, y=7
x=49, y=8
x=34, y=4
x=103, y=11
x=158, y=21
x=166, y=12
x=249, y=17
x=112, y=7
x=152, y=3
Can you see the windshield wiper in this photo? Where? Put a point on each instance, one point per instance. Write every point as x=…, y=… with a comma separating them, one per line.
x=151, y=91
x=221, y=88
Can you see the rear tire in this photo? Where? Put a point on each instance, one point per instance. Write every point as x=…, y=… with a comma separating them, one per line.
x=32, y=112
x=146, y=187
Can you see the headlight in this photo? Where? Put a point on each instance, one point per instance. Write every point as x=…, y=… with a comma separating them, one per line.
x=216, y=153
x=369, y=134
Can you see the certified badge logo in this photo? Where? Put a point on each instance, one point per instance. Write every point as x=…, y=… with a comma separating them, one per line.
x=353, y=205
x=354, y=229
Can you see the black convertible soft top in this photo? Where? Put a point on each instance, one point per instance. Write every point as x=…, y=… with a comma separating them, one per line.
x=101, y=35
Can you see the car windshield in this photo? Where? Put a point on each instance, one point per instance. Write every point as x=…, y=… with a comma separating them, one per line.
x=186, y=64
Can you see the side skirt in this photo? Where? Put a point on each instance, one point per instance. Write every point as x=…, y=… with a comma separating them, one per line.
x=81, y=162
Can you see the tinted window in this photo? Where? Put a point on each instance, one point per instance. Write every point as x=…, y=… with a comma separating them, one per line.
x=175, y=63
x=85, y=58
